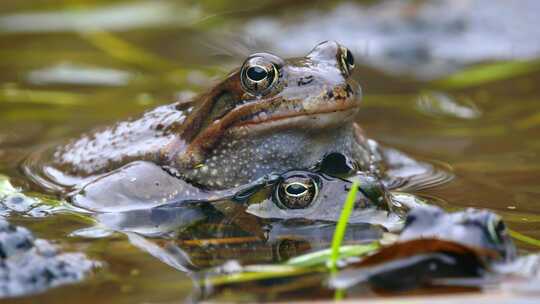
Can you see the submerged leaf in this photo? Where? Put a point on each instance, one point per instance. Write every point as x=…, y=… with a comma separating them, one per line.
x=303, y=264
x=318, y=258
x=486, y=73
x=258, y=272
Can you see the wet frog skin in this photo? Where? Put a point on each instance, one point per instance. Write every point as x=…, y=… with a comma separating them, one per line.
x=307, y=195
x=270, y=115
x=471, y=227
x=434, y=246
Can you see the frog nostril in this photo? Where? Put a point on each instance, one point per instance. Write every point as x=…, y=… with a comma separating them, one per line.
x=329, y=94
x=305, y=80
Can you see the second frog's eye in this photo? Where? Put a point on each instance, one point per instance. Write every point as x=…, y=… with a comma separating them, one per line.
x=347, y=60
x=258, y=75
x=296, y=192
x=496, y=229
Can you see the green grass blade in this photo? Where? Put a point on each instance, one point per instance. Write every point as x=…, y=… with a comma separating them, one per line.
x=339, y=234
x=523, y=238
x=341, y=227
x=339, y=295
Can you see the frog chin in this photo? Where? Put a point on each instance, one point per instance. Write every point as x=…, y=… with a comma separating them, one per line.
x=241, y=158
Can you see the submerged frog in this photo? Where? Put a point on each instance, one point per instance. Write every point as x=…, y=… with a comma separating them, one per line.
x=300, y=194
x=433, y=246
x=295, y=195
x=472, y=227
x=270, y=115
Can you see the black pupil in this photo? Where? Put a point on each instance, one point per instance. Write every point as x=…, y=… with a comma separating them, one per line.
x=500, y=228
x=296, y=189
x=257, y=73
x=349, y=58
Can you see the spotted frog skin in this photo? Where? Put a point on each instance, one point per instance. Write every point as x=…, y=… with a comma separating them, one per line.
x=270, y=115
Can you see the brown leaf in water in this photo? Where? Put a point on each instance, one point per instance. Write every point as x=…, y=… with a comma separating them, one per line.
x=410, y=248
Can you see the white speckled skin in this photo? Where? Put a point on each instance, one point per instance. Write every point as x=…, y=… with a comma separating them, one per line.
x=126, y=141
x=240, y=161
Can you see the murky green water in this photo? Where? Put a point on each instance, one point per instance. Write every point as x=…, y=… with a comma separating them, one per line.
x=70, y=66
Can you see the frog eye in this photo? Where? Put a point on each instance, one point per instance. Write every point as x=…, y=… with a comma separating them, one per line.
x=347, y=60
x=296, y=192
x=258, y=75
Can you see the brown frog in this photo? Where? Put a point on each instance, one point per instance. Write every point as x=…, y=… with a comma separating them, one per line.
x=270, y=115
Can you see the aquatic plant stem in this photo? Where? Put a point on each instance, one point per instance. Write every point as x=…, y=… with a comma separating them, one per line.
x=341, y=226
x=526, y=239
x=339, y=234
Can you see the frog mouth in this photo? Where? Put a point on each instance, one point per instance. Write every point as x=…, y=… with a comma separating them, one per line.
x=317, y=119
x=332, y=107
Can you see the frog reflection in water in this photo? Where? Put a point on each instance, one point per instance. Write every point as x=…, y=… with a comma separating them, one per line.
x=271, y=115
x=276, y=217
